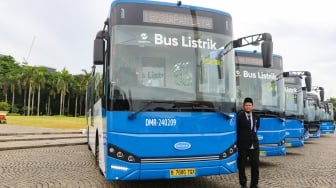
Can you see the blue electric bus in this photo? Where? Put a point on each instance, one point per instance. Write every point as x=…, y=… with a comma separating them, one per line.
x=312, y=112
x=327, y=118
x=295, y=130
x=266, y=86
x=161, y=97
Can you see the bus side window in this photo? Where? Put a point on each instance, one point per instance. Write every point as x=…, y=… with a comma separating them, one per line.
x=119, y=100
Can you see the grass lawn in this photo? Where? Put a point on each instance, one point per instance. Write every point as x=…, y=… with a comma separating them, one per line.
x=56, y=122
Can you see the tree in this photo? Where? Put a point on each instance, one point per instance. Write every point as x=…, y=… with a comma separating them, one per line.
x=52, y=91
x=14, y=80
x=19, y=84
x=29, y=72
x=4, y=106
x=78, y=90
x=62, y=87
x=40, y=80
x=333, y=101
x=10, y=76
x=7, y=65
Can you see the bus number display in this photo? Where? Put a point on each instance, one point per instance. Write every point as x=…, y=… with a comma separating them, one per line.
x=171, y=18
x=160, y=122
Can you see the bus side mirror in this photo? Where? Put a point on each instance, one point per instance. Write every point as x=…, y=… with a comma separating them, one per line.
x=98, y=52
x=267, y=53
x=308, y=81
x=321, y=93
x=98, y=49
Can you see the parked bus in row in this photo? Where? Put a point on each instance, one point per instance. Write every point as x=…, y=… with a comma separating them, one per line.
x=327, y=125
x=296, y=133
x=161, y=98
x=312, y=111
x=266, y=86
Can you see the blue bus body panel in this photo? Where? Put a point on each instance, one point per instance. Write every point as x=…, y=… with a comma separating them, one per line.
x=271, y=134
x=117, y=170
x=170, y=122
x=154, y=135
x=327, y=127
x=294, y=133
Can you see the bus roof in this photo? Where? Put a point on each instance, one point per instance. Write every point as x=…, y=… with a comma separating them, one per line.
x=115, y=2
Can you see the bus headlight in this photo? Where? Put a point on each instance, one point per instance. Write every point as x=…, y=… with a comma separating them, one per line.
x=282, y=142
x=130, y=158
x=111, y=150
x=230, y=151
x=121, y=154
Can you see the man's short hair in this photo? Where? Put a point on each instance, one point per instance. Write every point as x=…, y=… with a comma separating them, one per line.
x=248, y=99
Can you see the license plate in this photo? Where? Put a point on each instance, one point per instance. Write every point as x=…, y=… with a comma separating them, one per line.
x=262, y=153
x=185, y=172
x=289, y=144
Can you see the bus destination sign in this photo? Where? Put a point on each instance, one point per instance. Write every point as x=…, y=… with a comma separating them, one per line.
x=171, y=18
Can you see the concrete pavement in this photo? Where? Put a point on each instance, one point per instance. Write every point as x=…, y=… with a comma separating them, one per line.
x=20, y=137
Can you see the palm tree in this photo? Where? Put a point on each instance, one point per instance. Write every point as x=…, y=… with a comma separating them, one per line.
x=25, y=77
x=78, y=91
x=52, y=90
x=62, y=87
x=6, y=65
x=84, y=81
x=40, y=80
x=31, y=92
x=15, y=82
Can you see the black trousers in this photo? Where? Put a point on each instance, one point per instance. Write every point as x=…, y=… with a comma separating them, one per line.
x=253, y=156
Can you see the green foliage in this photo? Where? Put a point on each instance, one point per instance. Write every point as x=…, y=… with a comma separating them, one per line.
x=46, y=91
x=15, y=109
x=7, y=64
x=4, y=106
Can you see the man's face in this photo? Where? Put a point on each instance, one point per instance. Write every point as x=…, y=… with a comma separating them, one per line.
x=248, y=107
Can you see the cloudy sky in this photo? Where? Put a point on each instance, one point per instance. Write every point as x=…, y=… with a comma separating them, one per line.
x=60, y=33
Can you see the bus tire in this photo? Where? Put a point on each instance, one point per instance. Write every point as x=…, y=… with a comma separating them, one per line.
x=97, y=150
x=97, y=155
x=87, y=138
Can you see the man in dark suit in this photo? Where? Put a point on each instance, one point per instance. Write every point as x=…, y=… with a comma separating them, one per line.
x=248, y=144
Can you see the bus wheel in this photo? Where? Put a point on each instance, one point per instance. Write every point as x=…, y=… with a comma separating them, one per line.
x=87, y=138
x=97, y=155
x=97, y=151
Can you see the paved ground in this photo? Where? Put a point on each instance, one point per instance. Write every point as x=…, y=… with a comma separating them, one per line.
x=311, y=166
x=21, y=137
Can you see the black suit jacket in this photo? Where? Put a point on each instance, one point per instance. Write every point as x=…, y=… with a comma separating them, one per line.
x=245, y=136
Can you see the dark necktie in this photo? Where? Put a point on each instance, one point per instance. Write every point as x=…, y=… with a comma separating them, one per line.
x=249, y=120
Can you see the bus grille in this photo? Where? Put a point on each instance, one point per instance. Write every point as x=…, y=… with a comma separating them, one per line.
x=179, y=159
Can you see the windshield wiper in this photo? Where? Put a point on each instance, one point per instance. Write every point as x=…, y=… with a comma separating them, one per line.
x=226, y=115
x=199, y=106
x=132, y=115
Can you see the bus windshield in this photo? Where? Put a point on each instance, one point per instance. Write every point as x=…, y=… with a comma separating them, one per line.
x=294, y=99
x=311, y=111
x=330, y=111
x=326, y=112
x=159, y=63
x=262, y=85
